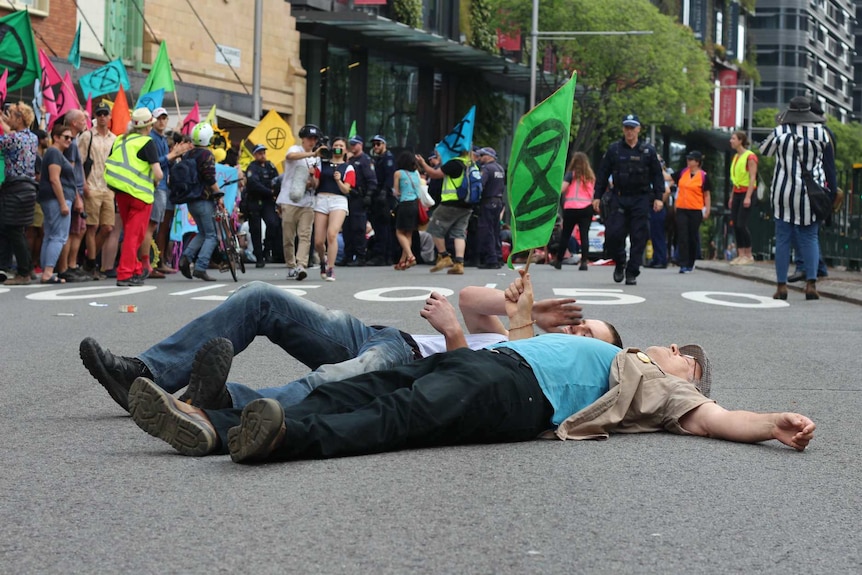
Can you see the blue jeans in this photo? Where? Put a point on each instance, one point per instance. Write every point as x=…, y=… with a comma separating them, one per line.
x=200, y=249
x=809, y=247
x=333, y=343
x=56, y=228
x=822, y=270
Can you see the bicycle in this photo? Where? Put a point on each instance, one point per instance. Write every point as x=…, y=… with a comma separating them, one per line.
x=228, y=243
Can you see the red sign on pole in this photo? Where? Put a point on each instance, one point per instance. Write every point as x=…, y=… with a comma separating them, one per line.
x=727, y=99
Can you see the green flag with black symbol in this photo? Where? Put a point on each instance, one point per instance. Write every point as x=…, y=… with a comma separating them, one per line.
x=536, y=168
x=18, y=52
x=160, y=74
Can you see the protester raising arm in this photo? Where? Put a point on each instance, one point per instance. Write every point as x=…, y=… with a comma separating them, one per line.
x=481, y=306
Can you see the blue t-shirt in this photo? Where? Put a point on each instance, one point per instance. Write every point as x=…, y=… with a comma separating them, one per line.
x=573, y=371
x=408, y=185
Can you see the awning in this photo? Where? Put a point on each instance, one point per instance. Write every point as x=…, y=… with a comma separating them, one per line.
x=350, y=27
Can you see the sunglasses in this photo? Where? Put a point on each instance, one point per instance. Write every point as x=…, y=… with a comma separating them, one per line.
x=101, y=114
x=67, y=137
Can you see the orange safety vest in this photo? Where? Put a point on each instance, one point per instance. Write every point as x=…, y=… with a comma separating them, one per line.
x=689, y=194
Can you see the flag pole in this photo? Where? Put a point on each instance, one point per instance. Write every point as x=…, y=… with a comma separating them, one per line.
x=179, y=116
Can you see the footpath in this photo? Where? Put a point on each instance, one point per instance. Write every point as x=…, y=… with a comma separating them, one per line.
x=841, y=284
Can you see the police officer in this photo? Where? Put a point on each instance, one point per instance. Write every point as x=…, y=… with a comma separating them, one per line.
x=382, y=206
x=358, y=202
x=260, y=205
x=638, y=185
x=490, y=208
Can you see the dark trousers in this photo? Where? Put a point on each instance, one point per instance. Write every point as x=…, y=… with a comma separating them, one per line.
x=687, y=235
x=431, y=402
x=658, y=236
x=582, y=218
x=353, y=230
x=384, y=245
x=627, y=216
x=739, y=214
x=17, y=243
x=264, y=210
x=488, y=232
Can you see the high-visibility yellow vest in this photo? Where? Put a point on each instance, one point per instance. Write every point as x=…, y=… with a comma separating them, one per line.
x=126, y=172
x=739, y=170
x=451, y=184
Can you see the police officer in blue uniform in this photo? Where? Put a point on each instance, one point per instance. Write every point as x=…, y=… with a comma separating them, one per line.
x=638, y=185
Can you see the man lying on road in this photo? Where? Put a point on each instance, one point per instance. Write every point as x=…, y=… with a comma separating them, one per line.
x=334, y=344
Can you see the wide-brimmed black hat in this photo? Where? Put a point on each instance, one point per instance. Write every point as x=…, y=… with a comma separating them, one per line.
x=799, y=112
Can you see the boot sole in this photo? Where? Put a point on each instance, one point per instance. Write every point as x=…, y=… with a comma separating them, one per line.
x=90, y=356
x=209, y=373
x=261, y=423
x=152, y=410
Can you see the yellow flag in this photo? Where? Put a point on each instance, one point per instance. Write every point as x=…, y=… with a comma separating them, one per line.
x=245, y=157
x=274, y=133
x=211, y=117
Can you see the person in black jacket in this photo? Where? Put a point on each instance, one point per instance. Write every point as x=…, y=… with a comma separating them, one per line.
x=355, y=242
x=260, y=205
x=383, y=203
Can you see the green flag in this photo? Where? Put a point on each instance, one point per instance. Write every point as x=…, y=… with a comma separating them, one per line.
x=160, y=74
x=352, y=131
x=75, y=50
x=18, y=52
x=536, y=168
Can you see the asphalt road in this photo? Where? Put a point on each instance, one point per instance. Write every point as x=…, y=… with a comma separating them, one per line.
x=83, y=490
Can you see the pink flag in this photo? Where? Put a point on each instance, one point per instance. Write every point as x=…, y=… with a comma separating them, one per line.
x=50, y=79
x=192, y=120
x=68, y=97
x=3, y=87
x=49, y=104
x=50, y=75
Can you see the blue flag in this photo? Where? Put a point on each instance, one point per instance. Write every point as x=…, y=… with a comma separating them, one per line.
x=75, y=50
x=460, y=139
x=106, y=79
x=151, y=100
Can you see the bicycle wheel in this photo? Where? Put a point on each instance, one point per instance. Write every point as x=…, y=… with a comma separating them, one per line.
x=233, y=250
x=224, y=238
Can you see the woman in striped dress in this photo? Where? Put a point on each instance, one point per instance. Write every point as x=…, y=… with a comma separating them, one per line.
x=797, y=144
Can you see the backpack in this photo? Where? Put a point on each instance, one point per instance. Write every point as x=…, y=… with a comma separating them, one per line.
x=184, y=182
x=470, y=188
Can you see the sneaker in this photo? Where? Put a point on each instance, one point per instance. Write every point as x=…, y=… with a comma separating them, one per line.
x=75, y=275
x=134, y=281
x=443, y=262
x=111, y=273
x=685, y=270
x=18, y=281
x=456, y=269
x=291, y=273
x=115, y=372
x=330, y=274
x=631, y=279
x=619, y=273
x=157, y=412
x=584, y=266
x=99, y=275
x=323, y=271
x=745, y=261
x=260, y=431
x=301, y=274
x=209, y=373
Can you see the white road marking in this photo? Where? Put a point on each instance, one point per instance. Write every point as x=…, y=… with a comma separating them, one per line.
x=602, y=296
x=87, y=293
x=379, y=294
x=714, y=298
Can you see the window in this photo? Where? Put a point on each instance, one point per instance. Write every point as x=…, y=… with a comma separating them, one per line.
x=37, y=7
x=766, y=22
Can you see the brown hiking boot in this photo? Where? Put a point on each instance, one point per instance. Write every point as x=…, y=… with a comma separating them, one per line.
x=456, y=269
x=444, y=262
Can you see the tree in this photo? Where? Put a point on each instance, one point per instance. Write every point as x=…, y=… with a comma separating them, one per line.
x=664, y=77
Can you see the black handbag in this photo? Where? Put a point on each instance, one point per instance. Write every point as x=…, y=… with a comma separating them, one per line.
x=818, y=199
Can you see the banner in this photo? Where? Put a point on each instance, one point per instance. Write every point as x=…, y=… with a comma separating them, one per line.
x=75, y=51
x=160, y=74
x=537, y=165
x=274, y=133
x=459, y=139
x=184, y=223
x=18, y=53
x=151, y=100
x=105, y=80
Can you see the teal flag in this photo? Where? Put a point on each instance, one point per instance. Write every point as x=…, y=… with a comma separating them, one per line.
x=75, y=50
x=106, y=79
x=460, y=139
x=537, y=165
x=18, y=52
x=151, y=100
